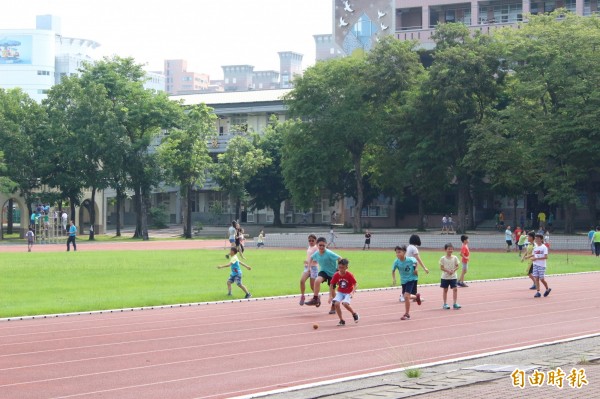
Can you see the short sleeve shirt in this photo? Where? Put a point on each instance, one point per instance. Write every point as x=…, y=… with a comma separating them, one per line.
x=236, y=270
x=309, y=253
x=449, y=264
x=538, y=252
x=327, y=262
x=406, y=268
x=508, y=235
x=465, y=253
x=345, y=284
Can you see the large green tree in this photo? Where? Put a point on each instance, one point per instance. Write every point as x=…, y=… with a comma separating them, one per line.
x=183, y=154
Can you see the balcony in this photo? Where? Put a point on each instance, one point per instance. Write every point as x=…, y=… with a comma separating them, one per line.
x=423, y=36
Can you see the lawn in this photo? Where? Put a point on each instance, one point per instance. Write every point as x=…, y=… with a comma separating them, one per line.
x=47, y=283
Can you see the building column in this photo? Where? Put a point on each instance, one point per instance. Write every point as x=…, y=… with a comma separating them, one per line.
x=474, y=12
x=526, y=7
x=425, y=17
x=579, y=7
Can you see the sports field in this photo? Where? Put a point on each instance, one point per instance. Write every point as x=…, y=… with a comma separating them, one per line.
x=60, y=282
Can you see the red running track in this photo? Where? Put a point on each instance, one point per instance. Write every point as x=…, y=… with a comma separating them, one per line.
x=230, y=349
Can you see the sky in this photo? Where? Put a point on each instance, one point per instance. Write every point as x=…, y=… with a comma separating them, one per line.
x=206, y=33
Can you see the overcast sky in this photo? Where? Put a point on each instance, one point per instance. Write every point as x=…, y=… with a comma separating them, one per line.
x=207, y=33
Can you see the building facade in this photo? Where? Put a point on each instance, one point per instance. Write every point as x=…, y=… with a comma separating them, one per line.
x=179, y=80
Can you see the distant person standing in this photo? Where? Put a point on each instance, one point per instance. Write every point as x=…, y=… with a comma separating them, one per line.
x=449, y=266
x=464, y=255
x=541, y=220
x=508, y=238
x=72, y=236
x=261, y=239
x=30, y=239
x=591, y=239
x=332, y=237
x=550, y=220
x=596, y=241
x=367, y=240
x=445, y=224
x=63, y=219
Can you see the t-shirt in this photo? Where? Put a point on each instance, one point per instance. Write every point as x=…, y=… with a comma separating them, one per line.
x=412, y=251
x=529, y=252
x=597, y=236
x=522, y=239
x=30, y=236
x=309, y=253
x=464, y=253
x=368, y=237
x=261, y=238
x=345, y=284
x=232, y=232
x=73, y=231
x=591, y=234
x=236, y=270
x=406, y=268
x=508, y=235
x=518, y=233
x=542, y=217
x=538, y=252
x=450, y=263
x=327, y=262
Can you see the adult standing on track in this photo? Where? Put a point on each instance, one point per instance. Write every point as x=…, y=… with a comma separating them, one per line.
x=72, y=236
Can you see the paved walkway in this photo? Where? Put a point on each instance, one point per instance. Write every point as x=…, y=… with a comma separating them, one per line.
x=474, y=379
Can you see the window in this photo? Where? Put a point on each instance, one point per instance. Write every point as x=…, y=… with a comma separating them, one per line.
x=43, y=73
x=42, y=91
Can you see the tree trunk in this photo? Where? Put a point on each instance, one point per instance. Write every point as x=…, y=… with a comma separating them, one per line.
x=514, y=223
x=357, y=226
x=118, y=205
x=145, y=206
x=187, y=226
x=72, y=206
x=421, y=205
x=591, y=195
x=276, y=206
x=570, y=210
x=463, y=194
x=9, y=217
x=137, y=205
x=92, y=214
x=238, y=206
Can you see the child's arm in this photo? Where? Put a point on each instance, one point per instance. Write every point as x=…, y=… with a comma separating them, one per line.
x=421, y=263
x=245, y=265
x=331, y=293
x=393, y=277
x=354, y=290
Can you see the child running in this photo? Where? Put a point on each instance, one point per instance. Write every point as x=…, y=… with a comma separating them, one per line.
x=327, y=261
x=407, y=268
x=464, y=257
x=528, y=253
x=346, y=287
x=311, y=268
x=539, y=256
x=521, y=242
x=236, y=272
x=412, y=251
x=449, y=266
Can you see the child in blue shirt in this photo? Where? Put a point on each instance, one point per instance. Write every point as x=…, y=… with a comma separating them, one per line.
x=236, y=272
x=407, y=268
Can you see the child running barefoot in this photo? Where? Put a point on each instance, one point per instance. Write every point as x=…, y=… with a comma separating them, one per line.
x=236, y=272
x=311, y=268
x=346, y=287
x=407, y=268
x=449, y=266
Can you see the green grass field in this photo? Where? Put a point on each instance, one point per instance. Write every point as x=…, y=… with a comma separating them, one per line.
x=60, y=282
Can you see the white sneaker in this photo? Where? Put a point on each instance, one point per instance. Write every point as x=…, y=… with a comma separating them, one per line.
x=401, y=298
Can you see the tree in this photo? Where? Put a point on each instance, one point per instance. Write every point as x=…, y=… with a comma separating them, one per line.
x=184, y=157
x=267, y=187
x=236, y=166
x=555, y=62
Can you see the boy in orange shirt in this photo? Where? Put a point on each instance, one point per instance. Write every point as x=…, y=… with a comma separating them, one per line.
x=346, y=287
x=464, y=255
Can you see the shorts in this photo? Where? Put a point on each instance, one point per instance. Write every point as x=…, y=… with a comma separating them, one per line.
x=235, y=279
x=520, y=247
x=260, y=244
x=509, y=242
x=368, y=241
x=539, y=271
x=232, y=240
x=448, y=283
x=410, y=287
x=342, y=298
x=314, y=271
x=465, y=266
x=325, y=277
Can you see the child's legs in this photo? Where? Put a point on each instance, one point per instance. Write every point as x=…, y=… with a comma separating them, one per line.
x=347, y=306
x=465, y=268
x=303, y=279
x=338, y=309
x=317, y=285
x=445, y=295
x=229, y=286
x=454, y=294
x=543, y=281
x=243, y=287
x=536, y=281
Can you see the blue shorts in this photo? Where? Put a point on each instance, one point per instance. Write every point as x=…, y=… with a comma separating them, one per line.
x=235, y=279
x=232, y=240
x=410, y=287
x=448, y=283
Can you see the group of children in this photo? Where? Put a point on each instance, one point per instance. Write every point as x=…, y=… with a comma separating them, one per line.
x=323, y=265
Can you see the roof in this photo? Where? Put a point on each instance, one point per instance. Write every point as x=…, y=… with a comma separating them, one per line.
x=233, y=97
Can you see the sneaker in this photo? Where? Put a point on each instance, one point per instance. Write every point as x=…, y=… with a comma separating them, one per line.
x=445, y=306
x=547, y=292
x=533, y=287
x=355, y=317
x=456, y=306
x=318, y=302
x=405, y=317
x=418, y=299
x=341, y=323
x=402, y=298
x=229, y=294
x=302, y=298
x=537, y=295
x=248, y=295
x=312, y=302
x=332, y=310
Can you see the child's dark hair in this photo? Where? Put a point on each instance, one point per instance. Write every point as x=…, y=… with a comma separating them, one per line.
x=414, y=240
x=312, y=236
x=448, y=245
x=343, y=261
x=531, y=234
x=540, y=236
x=464, y=238
x=234, y=250
x=400, y=247
x=321, y=239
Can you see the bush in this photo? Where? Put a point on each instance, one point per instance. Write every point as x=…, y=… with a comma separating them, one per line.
x=159, y=217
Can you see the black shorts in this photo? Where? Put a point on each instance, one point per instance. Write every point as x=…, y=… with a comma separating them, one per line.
x=410, y=286
x=368, y=241
x=509, y=242
x=325, y=277
x=448, y=283
x=530, y=269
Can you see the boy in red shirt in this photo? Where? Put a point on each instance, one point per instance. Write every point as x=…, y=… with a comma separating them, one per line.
x=464, y=255
x=346, y=287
